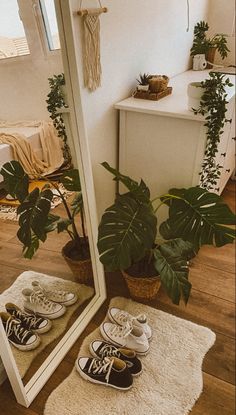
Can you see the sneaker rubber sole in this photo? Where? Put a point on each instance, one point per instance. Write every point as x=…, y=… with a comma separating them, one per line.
x=25, y=348
x=51, y=316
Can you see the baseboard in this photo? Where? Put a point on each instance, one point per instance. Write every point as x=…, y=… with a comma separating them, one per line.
x=3, y=374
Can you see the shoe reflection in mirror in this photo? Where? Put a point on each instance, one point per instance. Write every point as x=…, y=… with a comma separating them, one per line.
x=102, y=349
x=128, y=336
x=57, y=296
x=108, y=371
x=118, y=316
x=29, y=321
x=36, y=302
x=17, y=335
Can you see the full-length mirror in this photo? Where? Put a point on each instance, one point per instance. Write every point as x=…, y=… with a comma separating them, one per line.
x=51, y=280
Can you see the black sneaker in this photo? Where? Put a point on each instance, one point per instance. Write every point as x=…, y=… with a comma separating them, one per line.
x=29, y=321
x=109, y=371
x=103, y=349
x=21, y=338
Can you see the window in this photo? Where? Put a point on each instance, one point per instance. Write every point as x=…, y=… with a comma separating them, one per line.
x=50, y=23
x=13, y=41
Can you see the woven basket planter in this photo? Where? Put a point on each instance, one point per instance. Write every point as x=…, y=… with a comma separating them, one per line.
x=81, y=269
x=210, y=57
x=144, y=289
x=158, y=83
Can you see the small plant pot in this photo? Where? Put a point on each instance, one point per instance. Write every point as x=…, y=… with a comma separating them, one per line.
x=158, y=83
x=144, y=289
x=143, y=88
x=81, y=269
x=195, y=92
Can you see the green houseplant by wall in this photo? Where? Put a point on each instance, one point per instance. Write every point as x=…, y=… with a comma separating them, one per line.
x=208, y=46
x=36, y=221
x=55, y=102
x=128, y=229
x=213, y=105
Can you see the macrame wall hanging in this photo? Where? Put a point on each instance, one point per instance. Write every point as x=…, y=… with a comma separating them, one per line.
x=91, y=47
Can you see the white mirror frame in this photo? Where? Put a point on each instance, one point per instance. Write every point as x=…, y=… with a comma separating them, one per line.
x=25, y=394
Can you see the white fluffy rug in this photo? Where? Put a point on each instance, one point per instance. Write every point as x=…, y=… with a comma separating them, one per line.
x=171, y=381
x=13, y=295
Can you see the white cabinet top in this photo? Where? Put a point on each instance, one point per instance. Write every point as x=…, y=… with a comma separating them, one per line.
x=176, y=104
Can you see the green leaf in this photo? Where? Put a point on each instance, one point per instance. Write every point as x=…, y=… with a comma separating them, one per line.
x=51, y=224
x=173, y=271
x=77, y=204
x=29, y=251
x=197, y=216
x=140, y=191
x=33, y=215
x=71, y=181
x=63, y=224
x=126, y=231
x=16, y=181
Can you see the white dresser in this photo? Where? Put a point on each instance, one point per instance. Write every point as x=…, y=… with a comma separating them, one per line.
x=163, y=142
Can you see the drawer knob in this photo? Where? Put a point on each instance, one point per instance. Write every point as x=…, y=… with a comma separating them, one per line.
x=228, y=170
x=223, y=154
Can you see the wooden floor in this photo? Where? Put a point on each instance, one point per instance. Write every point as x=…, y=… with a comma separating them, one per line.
x=212, y=304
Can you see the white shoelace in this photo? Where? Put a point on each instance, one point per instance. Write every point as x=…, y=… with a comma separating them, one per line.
x=101, y=366
x=109, y=350
x=123, y=317
x=14, y=326
x=56, y=293
x=121, y=331
x=31, y=320
x=38, y=297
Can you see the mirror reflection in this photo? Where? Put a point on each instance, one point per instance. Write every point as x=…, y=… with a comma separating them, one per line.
x=46, y=272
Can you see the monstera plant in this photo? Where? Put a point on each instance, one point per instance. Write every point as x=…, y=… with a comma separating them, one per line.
x=36, y=219
x=128, y=231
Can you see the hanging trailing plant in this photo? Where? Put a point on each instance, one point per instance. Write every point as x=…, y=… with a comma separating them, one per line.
x=213, y=104
x=55, y=102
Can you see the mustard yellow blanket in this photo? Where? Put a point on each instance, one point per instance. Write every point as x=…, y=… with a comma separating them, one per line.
x=23, y=152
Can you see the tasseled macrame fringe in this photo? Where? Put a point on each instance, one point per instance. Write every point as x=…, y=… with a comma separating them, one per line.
x=92, y=61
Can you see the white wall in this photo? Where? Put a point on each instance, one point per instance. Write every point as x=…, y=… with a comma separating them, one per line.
x=222, y=20
x=136, y=36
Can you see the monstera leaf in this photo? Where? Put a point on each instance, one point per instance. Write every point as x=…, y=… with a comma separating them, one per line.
x=126, y=230
x=172, y=266
x=16, y=181
x=198, y=216
x=33, y=216
x=140, y=191
x=77, y=204
x=71, y=181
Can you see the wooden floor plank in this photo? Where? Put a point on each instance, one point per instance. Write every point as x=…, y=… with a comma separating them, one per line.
x=212, y=281
x=218, y=398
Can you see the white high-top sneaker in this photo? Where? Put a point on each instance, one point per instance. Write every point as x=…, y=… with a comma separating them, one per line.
x=57, y=296
x=129, y=336
x=120, y=317
x=36, y=302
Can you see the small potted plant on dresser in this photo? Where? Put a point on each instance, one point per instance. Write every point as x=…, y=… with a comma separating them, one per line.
x=36, y=219
x=128, y=229
x=208, y=46
x=143, y=82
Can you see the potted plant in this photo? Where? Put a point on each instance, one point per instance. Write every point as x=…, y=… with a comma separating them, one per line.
x=208, y=46
x=36, y=220
x=128, y=229
x=212, y=104
x=143, y=82
x=56, y=101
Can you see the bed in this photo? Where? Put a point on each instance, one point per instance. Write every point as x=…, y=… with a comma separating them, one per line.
x=42, y=139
